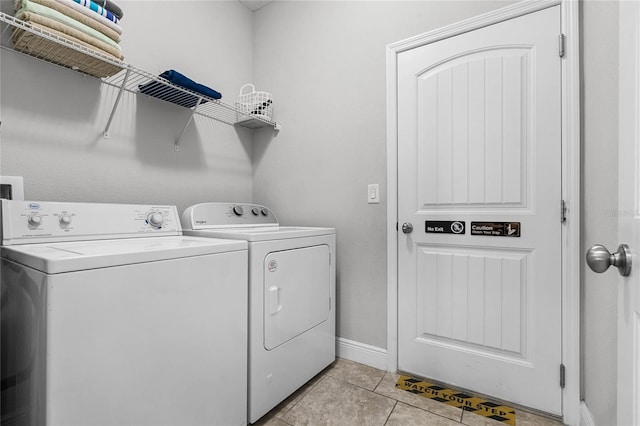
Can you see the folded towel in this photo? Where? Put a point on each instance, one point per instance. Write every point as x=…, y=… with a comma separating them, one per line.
x=75, y=15
x=46, y=12
x=176, y=78
x=111, y=7
x=33, y=44
x=68, y=31
x=91, y=14
x=98, y=9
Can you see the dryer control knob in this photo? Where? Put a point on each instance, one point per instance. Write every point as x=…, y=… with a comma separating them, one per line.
x=65, y=220
x=264, y=212
x=155, y=219
x=255, y=211
x=34, y=220
x=238, y=211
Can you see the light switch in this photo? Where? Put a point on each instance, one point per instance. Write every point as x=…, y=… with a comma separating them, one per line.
x=373, y=193
x=11, y=187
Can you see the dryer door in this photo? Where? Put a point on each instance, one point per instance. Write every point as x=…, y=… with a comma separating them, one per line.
x=296, y=293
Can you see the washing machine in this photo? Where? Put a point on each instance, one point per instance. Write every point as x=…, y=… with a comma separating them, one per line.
x=291, y=296
x=110, y=316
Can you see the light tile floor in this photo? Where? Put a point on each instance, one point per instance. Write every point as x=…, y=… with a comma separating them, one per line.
x=351, y=394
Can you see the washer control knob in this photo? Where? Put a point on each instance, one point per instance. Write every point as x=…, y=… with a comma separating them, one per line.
x=238, y=211
x=65, y=220
x=34, y=220
x=255, y=211
x=155, y=219
x=264, y=212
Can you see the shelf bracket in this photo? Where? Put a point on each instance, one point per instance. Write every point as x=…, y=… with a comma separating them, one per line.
x=115, y=105
x=193, y=112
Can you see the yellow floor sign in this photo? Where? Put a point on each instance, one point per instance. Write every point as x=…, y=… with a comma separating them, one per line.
x=458, y=399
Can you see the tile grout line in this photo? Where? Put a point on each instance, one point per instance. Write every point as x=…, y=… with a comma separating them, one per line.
x=281, y=415
x=414, y=405
x=391, y=412
x=307, y=393
x=358, y=385
x=380, y=381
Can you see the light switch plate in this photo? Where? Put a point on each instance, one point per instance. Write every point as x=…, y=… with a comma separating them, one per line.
x=11, y=187
x=373, y=193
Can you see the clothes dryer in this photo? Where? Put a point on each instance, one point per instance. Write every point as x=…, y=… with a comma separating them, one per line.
x=111, y=317
x=291, y=296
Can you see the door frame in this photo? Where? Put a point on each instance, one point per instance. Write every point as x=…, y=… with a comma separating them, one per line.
x=570, y=182
x=627, y=410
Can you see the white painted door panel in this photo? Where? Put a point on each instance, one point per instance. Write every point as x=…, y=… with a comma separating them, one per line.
x=479, y=136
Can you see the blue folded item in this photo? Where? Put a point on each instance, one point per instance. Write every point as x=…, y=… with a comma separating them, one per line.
x=111, y=7
x=176, y=78
x=171, y=94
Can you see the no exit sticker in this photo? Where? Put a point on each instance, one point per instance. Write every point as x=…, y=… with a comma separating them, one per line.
x=444, y=226
x=496, y=229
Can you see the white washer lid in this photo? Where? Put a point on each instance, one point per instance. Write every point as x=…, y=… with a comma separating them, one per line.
x=54, y=258
x=261, y=233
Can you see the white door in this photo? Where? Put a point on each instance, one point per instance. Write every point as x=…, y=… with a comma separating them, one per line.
x=629, y=219
x=479, y=180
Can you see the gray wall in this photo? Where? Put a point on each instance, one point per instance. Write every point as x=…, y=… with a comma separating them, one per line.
x=600, y=203
x=325, y=63
x=52, y=119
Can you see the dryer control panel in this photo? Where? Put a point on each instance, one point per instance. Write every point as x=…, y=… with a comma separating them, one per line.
x=26, y=222
x=226, y=215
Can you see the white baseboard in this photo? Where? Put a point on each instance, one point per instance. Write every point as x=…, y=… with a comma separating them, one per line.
x=361, y=353
x=586, y=418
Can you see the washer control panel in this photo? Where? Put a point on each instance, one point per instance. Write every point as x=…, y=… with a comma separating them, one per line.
x=217, y=215
x=30, y=221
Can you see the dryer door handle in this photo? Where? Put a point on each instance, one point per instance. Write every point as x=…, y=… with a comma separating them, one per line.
x=274, y=300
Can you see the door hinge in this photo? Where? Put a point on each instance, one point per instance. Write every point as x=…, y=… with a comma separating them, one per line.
x=563, y=211
x=561, y=45
x=396, y=226
x=562, y=375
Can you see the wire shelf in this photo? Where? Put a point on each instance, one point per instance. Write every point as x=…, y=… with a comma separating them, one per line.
x=50, y=47
x=135, y=80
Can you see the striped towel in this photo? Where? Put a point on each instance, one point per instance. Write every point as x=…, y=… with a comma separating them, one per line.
x=111, y=7
x=91, y=14
x=98, y=9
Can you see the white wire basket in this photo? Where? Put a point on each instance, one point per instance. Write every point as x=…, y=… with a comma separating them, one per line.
x=254, y=103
